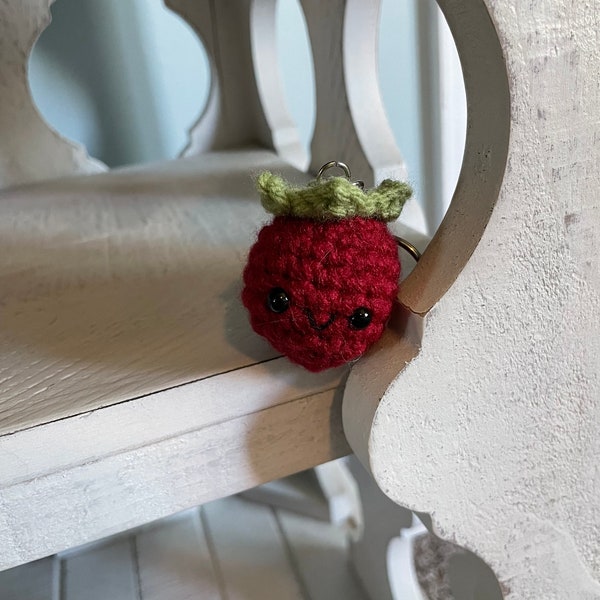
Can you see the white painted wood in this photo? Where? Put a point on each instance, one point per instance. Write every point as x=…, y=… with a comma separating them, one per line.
x=443, y=111
x=493, y=427
x=246, y=104
x=33, y=581
x=361, y=76
x=430, y=94
x=126, y=283
x=31, y=150
x=299, y=493
x=383, y=520
x=251, y=559
x=343, y=497
x=174, y=561
x=484, y=162
x=102, y=571
x=343, y=35
x=236, y=549
x=446, y=255
x=453, y=119
x=267, y=70
x=327, y=493
x=85, y=302
x=320, y=554
x=67, y=443
x=87, y=310
x=370, y=379
x=118, y=491
x=400, y=563
x=120, y=302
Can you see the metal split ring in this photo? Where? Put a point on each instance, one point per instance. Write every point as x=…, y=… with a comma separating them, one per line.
x=410, y=248
x=332, y=164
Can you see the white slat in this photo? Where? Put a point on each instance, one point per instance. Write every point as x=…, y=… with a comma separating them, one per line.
x=119, y=492
x=299, y=493
x=251, y=556
x=101, y=572
x=320, y=553
x=174, y=560
x=33, y=581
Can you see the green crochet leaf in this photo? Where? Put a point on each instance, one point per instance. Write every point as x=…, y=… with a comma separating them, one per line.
x=332, y=198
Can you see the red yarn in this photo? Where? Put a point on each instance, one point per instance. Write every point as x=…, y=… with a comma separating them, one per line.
x=328, y=270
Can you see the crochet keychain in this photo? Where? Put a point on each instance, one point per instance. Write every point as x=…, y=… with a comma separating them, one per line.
x=322, y=276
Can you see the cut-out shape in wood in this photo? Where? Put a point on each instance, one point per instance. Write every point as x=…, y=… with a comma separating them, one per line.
x=473, y=430
x=126, y=79
x=31, y=150
x=246, y=104
x=492, y=427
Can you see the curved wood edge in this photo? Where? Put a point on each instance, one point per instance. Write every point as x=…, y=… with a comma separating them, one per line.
x=361, y=72
x=343, y=35
x=31, y=149
x=371, y=376
x=246, y=104
x=486, y=153
x=444, y=258
x=493, y=428
x=267, y=72
x=199, y=16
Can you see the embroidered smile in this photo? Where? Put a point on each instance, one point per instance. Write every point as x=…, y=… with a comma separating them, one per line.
x=313, y=322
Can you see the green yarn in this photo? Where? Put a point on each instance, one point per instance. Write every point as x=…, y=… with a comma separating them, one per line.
x=332, y=198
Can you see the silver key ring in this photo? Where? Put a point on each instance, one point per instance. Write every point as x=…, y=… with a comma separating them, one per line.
x=336, y=164
x=333, y=164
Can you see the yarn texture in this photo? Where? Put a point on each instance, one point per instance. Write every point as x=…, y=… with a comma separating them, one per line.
x=321, y=289
x=332, y=198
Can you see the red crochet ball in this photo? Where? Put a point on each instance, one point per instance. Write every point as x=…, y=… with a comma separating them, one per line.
x=321, y=291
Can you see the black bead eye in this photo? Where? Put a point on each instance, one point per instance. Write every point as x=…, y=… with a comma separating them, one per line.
x=278, y=300
x=361, y=318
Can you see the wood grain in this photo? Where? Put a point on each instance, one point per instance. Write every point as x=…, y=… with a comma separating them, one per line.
x=127, y=283
x=119, y=491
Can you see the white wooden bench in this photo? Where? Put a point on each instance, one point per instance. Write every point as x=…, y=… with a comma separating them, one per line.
x=132, y=387
x=132, y=384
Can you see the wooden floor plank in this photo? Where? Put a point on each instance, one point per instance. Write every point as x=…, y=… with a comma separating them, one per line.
x=230, y=549
x=250, y=553
x=174, y=560
x=105, y=571
x=320, y=554
x=33, y=581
